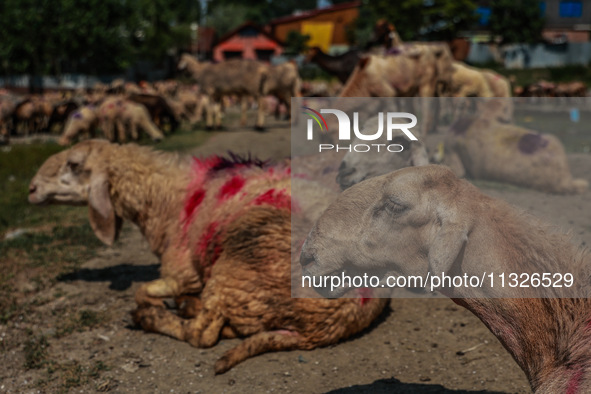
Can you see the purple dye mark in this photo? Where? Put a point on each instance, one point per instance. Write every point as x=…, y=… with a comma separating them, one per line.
x=531, y=142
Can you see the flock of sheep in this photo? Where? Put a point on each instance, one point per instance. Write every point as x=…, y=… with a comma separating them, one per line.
x=224, y=228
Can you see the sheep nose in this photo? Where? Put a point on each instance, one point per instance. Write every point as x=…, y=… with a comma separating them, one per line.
x=32, y=188
x=344, y=171
x=306, y=258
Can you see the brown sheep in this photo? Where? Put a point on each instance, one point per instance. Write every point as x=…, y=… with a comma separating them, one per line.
x=428, y=220
x=417, y=70
x=237, y=76
x=283, y=81
x=222, y=230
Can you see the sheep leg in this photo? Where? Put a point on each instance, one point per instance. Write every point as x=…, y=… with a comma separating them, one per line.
x=262, y=342
x=133, y=130
x=209, y=108
x=149, y=127
x=260, y=125
x=152, y=293
x=203, y=331
x=243, y=107
x=120, y=131
x=217, y=111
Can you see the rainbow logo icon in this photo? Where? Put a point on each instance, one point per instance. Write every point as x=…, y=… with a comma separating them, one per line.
x=317, y=117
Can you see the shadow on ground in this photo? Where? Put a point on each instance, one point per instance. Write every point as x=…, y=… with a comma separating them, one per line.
x=395, y=386
x=121, y=276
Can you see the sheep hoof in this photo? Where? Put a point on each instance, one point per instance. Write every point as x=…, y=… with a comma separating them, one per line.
x=222, y=365
x=144, y=317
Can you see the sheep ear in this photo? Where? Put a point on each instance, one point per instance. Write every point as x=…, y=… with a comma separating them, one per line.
x=104, y=222
x=447, y=247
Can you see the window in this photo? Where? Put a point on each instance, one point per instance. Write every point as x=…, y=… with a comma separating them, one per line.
x=264, y=54
x=232, y=55
x=571, y=9
x=542, y=8
x=483, y=15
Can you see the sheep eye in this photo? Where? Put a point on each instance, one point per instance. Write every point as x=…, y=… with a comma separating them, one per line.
x=394, y=207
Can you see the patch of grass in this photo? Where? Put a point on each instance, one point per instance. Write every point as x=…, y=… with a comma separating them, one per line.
x=183, y=139
x=65, y=376
x=35, y=351
x=38, y=258
x=83, y=320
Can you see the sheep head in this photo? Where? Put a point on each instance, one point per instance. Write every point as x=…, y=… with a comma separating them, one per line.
x=406, y=222
x=78, y=176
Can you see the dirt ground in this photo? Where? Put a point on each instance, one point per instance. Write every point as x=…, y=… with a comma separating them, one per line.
x=418, y=346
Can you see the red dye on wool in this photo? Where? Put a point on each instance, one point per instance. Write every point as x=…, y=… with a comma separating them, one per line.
x=193, y=202
x=231, y=187
x=279, y=199
x=209, y=243
x=366, y=295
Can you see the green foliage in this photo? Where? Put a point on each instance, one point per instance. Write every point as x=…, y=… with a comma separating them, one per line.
x=226, y=17
x=517, y=21
x=90, y=36
x=426, y=19
x=362, y=30
x=296, y=42
x=35, y=351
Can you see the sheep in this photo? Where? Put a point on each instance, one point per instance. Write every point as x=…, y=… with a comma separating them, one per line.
x=283, y=81
x=134, y=116
x=235, y=76
x=482, y=148
x=221, y=229
x=83, y=120
x=428, y=220
x=493, y=150
x=116, y=113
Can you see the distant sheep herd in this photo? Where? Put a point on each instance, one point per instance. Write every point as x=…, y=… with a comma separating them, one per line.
x=224, y=227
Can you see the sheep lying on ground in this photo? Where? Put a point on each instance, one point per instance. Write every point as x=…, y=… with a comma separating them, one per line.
x=483, y=148
x=222, y=230
x=494, y=150
x=428, y=220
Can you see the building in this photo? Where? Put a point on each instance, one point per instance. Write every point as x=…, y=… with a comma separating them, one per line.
x=247, y=41
x=327, y=27
x=566, y=20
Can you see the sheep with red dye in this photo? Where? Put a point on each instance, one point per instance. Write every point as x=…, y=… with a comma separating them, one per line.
x=222, y=230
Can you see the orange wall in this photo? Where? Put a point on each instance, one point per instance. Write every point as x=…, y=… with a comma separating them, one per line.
x=340, y=18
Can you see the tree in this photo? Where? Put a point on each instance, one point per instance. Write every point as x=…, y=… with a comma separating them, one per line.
x=296, y=42
x=40, y=37
x=426, y=19
x=517, y=21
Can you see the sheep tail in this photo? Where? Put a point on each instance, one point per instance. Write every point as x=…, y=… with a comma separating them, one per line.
x=263, y=342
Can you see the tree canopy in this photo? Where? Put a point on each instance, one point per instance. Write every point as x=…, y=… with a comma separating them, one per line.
x=426, y=19
x=517, y=21
x=90, y=36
